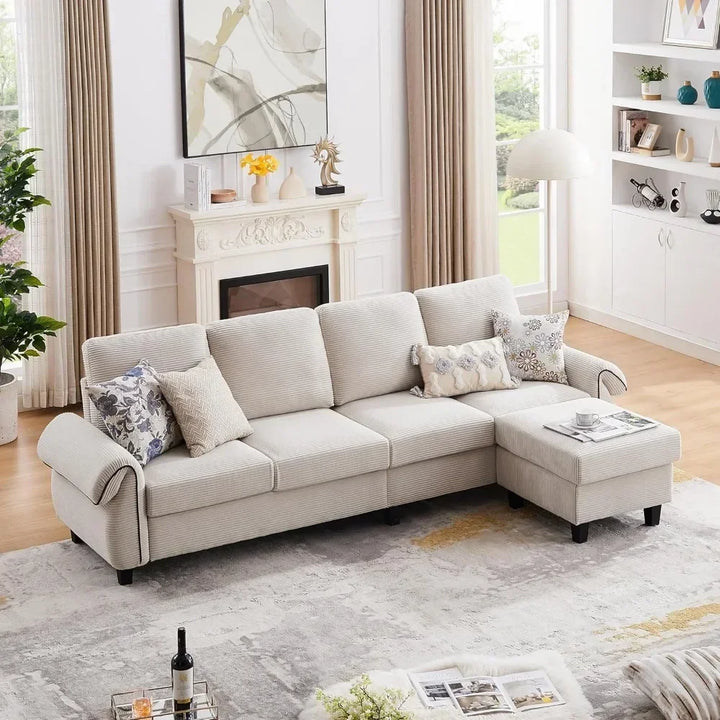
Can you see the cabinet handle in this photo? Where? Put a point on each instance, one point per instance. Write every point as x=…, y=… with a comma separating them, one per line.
x=668, y=241
x=660, y=237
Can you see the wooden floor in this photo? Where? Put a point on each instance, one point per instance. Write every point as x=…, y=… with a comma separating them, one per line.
x=671, y=387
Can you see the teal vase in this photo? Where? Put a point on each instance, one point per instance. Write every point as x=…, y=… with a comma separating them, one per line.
x=712, y=90
x=687, y=94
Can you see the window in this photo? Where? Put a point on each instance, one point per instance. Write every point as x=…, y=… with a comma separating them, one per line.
x=523, y=104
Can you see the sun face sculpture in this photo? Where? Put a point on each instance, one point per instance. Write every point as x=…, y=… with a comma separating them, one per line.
x=327, y=154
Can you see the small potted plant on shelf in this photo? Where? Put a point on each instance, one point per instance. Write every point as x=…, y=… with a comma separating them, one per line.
x=651, y=81
x=22, y=333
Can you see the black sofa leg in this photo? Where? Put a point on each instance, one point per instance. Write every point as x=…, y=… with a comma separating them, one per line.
x=125, y=577
x=515, y=501
x=392, y=516
x=77, y=540
x=652, y=515
x=580, y=532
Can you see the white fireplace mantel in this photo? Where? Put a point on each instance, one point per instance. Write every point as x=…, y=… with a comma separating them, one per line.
x=258, y=238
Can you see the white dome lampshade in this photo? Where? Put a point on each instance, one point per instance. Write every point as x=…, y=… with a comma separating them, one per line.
x=549, y=155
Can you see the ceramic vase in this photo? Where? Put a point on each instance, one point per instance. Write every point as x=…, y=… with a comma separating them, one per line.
x=712, y=90
x=292, y=187
x=8, y=408
x=651, y=90
x=684, y=146
x=260, y=192
x=687, y=94
x=714, y=157
x=678, y=204
x=712, y=215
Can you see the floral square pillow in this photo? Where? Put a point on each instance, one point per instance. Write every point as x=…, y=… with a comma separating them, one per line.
x=136, y=414
x=533, y=344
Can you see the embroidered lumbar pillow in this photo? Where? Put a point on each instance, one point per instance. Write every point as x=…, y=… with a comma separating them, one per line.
x=136, y=414
x=533, y=344
x=459, y=369
x=204, y=407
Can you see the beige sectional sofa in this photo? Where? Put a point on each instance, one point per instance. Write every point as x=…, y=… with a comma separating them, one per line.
x=336, y=430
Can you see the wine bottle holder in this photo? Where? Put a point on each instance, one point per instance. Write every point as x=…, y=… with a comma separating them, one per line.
x=203, y=707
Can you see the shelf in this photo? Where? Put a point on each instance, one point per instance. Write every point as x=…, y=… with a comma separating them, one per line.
x=669, y=163
x=668, y=51
x=699, y=111
x=691, y=222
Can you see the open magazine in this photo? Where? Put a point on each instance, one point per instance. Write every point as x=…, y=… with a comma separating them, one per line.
x=608, y=426
x=483, y=695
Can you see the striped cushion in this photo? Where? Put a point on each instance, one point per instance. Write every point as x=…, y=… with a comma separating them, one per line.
x=522, y=434
x=684, y=685
x=460, y=312
x=172, y=348
x=273, y=362
x=369, y=345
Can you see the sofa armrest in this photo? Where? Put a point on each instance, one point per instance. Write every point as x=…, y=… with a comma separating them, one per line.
x=93, y=462
x=592, y=374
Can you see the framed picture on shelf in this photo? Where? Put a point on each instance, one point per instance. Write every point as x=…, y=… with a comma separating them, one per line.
x=692, y=23
x=650, y=136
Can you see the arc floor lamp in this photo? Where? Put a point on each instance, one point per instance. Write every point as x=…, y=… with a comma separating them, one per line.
x=549, y=155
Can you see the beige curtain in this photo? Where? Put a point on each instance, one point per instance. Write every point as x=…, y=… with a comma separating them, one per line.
x=93, y=226
x=453, y=218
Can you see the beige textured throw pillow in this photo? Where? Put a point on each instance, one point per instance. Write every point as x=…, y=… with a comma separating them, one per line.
x=458, y=369
x=204, y=407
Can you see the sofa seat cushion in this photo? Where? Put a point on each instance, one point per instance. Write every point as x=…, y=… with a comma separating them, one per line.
x=522, y=434
x=422, y=428
x=315, y=446
x=175, y=482
x=530, y=394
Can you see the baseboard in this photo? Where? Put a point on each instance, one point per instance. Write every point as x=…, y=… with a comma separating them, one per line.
x=536, y=304
x=663, y=338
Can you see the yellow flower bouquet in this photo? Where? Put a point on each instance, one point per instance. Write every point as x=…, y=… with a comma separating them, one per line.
x=261, y=165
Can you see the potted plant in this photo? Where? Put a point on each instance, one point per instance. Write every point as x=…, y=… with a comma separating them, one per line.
x=22, y=333
x=260, y=167
x=651, y=81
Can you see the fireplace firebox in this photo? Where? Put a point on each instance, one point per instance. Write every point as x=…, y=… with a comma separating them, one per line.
x=302, y=287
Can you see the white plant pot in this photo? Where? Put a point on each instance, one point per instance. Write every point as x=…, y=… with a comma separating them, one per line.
x=8, y=408
x=652, y=90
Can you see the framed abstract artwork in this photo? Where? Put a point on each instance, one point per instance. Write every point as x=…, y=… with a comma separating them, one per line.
x=254, y=74
x=693, y=23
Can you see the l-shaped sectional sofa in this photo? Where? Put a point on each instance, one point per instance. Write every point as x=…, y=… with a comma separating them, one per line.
x=336, y=430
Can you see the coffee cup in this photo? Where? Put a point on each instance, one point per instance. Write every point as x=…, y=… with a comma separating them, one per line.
x=586, y=419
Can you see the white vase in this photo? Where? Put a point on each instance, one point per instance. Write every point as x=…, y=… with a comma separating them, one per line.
x=8, y=408
x=651, y=90
x=260, y=192
x=292, y=187
x=714, y=157
x=678, y=204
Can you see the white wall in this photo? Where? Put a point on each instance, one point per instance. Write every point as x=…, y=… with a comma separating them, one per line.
x=589, y=115
x=366, y=107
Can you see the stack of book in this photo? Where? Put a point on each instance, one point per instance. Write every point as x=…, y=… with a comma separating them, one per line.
x=197, y=187
x=632, y=124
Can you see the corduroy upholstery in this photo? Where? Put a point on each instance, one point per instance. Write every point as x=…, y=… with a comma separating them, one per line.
x=530, y=394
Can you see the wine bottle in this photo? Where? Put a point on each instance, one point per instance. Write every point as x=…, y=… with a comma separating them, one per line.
x=182, y=668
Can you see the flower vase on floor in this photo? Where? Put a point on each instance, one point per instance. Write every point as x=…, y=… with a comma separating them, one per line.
x=259, y=192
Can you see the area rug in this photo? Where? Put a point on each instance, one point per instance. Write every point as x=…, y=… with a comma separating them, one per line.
x=271, y=619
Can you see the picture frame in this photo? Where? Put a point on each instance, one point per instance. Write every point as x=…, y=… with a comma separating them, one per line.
x=252, y=78
x=692, y=24
x=650, y=136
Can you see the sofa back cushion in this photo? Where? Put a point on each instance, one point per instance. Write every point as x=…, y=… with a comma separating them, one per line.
x=166, y=349
x=460, y=312
x=369, y=344
x=273, y=362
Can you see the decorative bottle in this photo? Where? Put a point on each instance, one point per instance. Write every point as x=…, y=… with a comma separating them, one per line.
x=712, y=90
x=182, y=668
x=714, y=157
x=678, y=204
x=687, y=94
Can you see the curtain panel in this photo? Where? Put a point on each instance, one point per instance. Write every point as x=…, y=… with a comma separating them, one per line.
x=451, y=119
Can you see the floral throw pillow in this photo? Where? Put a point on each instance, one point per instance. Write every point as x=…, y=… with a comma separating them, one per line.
x=459, y=369
x=533, y=344
x=136, y=414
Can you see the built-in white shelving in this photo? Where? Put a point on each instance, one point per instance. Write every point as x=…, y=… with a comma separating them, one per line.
x=698, y=111
x=676, y=52
x=697, y=168
x=691, y=222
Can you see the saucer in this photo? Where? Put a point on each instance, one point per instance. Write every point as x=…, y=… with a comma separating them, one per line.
x=575, y=426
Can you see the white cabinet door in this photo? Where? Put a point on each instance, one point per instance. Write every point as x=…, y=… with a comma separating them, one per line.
x=639, y=267
x=693, y=283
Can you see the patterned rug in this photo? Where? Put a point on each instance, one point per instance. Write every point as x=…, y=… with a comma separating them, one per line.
x=271, y=619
